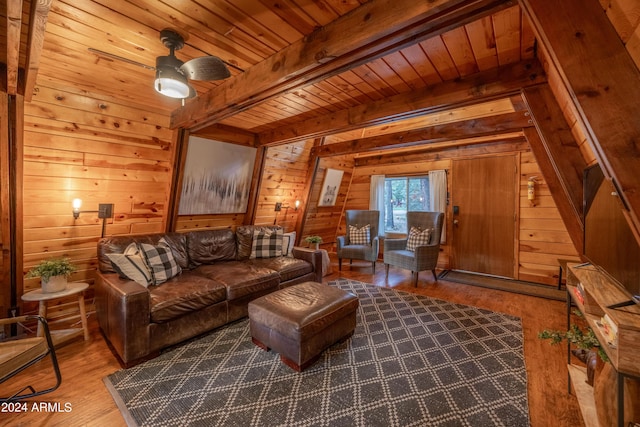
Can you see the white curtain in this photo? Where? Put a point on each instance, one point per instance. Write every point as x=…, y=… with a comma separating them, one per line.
x=438, y=195
x=376, y=199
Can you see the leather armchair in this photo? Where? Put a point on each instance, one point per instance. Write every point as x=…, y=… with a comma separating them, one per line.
x=424, y=257
x=346, y=249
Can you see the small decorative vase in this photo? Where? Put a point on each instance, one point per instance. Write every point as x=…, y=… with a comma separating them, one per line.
x=315, y=246
x=54, y=284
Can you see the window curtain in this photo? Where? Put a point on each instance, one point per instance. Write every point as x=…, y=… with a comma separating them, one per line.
x=438, y=195
x=376, y=199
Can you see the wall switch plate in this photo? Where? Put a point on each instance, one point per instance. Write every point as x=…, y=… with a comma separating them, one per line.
x=278, y=206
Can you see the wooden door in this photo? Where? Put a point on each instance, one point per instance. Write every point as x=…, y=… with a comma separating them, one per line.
x=484, y=204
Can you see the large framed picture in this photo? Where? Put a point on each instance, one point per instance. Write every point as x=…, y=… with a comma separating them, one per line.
x=217, y=177
x=330, y=187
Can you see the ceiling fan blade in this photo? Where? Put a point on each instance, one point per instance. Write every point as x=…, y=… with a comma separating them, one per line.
x=120, y=58
x=205, y=68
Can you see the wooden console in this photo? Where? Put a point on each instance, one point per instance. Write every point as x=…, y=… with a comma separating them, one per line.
x=599, y=293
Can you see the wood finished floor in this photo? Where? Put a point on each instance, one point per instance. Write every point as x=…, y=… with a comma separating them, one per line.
x=85, y=363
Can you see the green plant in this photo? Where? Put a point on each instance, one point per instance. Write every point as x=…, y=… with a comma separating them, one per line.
x=313, y=239
x=52, y=267
x=582, y=338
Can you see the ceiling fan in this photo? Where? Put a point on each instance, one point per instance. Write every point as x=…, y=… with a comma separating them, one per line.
x=172, y=74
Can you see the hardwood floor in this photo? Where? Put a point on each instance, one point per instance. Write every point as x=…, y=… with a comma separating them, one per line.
x=85, y=363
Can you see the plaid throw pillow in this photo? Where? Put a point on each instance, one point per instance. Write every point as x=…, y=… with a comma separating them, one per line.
x=418, y=237
x=266, y=243
x=130, y=265
x=160, y=261
x=360, y=236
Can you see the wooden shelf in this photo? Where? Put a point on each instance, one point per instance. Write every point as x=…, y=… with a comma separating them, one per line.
x=584, y=394
x=600, y=293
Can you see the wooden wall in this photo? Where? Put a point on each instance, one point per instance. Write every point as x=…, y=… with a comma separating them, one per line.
x=80, y=145
x=324, y=221
x=283, y=180
x=542, y=236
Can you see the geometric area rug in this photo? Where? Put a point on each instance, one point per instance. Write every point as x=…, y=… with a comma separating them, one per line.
x=412, y=361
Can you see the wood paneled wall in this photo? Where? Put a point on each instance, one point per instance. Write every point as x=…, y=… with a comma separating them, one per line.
x=79, y=145
x=542, y=236
x=324, y=221
x=283, y=181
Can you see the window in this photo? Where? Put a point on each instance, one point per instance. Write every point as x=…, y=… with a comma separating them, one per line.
x=403, y=194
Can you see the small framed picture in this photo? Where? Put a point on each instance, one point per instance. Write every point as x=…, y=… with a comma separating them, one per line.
x=330, y=187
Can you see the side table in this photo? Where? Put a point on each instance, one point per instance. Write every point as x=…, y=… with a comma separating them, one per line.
x=73, y=288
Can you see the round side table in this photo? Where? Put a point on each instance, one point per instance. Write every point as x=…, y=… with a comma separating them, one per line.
x=73, y=288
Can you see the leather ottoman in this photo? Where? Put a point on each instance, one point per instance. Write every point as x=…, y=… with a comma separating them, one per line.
x=301, y=321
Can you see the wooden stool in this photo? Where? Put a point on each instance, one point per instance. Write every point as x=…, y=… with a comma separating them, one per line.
x=73, y=288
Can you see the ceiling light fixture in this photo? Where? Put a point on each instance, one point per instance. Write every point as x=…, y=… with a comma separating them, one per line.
x=169, y=80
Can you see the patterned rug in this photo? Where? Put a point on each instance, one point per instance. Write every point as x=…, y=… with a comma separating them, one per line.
x=412, y=361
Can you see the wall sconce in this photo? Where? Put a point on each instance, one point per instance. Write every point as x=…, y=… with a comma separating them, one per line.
x=531, y=190
x=105, y=210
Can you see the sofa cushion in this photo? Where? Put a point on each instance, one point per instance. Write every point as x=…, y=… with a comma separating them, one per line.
x=266, y=244
x=183, y=295
x=131, y=265
x=244, y=238
x=288, y=268
x=208, y=246
x=240, y=278
x=160, y=260
x=288, y=240
x=117, y=245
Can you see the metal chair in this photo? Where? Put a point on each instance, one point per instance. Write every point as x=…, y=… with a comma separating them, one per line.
x=16, y=355
x=346, y=249
x=424, y=257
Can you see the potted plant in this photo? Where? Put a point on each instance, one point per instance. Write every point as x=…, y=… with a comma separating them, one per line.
x=54, y=273
x=314, y=241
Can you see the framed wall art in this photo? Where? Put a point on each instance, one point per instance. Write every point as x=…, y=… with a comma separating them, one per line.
x=217, y=177
x=330, y=187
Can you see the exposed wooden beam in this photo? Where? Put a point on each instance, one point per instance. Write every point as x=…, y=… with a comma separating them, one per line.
x=376, y=28
x=559, y=158
x=37, y=23
x=603, y=81
x=503, y=123
x=226, y=133
x=473, y=89
x=508, y=144
x=14, y=24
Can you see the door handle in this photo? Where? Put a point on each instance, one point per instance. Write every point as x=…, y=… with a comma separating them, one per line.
x=455, y=222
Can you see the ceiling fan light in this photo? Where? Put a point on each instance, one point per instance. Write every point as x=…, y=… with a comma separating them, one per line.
x=171, y=87
x=169, y=81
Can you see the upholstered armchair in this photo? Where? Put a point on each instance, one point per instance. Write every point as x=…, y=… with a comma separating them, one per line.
x=360, y=242
x=419, y=251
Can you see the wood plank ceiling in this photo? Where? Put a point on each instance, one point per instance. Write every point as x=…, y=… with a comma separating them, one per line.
x=246, y=33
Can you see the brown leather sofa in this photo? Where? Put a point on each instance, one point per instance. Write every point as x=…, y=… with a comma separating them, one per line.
x=217, y=281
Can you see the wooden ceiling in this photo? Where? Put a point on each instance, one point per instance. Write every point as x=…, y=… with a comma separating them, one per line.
x=249, y=33
x=300, y=68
